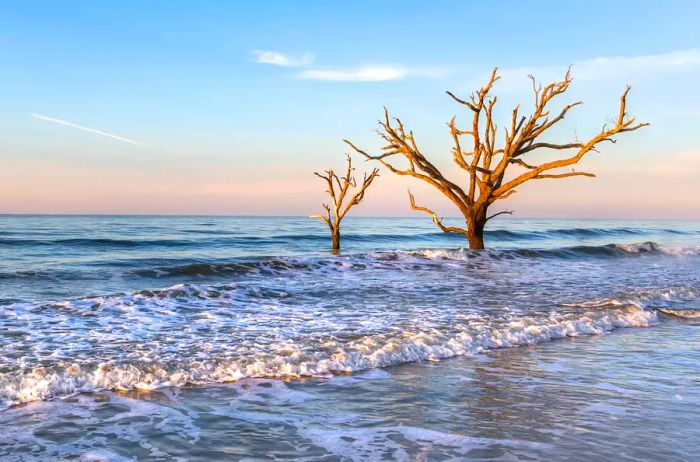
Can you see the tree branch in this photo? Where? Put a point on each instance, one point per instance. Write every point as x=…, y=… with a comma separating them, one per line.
x=564, y=175
x=505, y=212
x=622, y=125
x=327, y=218
x=360, y=194
x=436, y=219
x=335, y=213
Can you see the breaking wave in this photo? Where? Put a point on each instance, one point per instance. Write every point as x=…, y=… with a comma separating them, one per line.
x=361, y=261
x=296, y=358
x=648, y=299
x=608, y=250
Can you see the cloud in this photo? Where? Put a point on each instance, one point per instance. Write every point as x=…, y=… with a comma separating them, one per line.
x=367, y=73
x=280, y=59
x=607, y=67
x=361, y=74
x=86, y=129
x=603, y=68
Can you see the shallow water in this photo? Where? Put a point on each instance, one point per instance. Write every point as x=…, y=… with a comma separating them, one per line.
x=162, y=337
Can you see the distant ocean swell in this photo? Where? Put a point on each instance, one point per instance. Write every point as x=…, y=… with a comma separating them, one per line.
x=359, y=262
x=224, y=238
x=274, y=265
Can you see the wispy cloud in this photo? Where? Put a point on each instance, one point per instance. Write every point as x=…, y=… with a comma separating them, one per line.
x=360, y=74
x=87, y=129
x=366, y=73
x=602, y=68
x=280, y=59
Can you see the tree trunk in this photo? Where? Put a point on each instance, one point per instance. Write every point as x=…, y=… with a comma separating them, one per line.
x=476, y=239
x=475, y=230
x=336, y=239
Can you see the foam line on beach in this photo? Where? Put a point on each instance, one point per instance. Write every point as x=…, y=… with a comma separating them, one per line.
x=296, y=360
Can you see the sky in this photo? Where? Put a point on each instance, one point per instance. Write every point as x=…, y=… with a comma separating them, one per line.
x=222, y=107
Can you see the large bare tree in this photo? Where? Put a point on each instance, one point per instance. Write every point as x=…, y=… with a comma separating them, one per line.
x=492, y=170
x=338, y=188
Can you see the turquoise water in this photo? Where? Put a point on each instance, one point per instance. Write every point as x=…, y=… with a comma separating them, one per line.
x=225, y=338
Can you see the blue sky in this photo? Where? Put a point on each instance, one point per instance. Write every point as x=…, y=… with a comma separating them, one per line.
x=231, y=105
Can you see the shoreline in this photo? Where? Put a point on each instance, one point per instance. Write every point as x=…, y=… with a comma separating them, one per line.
x=555, y=398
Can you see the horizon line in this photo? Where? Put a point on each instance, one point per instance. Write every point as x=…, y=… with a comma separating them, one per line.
x=418, y=217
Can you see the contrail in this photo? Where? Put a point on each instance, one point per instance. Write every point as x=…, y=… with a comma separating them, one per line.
x=87, y=129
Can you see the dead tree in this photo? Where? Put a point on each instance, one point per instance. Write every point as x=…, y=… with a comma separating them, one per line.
x=489, y=176
x=338, y=188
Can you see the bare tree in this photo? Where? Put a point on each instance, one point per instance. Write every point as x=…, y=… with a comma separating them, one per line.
x=487, y=165
x=338, y=188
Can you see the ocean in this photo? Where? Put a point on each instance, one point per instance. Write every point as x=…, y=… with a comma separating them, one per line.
x=244, y=338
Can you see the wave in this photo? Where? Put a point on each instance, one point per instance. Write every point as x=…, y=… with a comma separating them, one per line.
x=229, y=238
x=27, y=275
x=362, y=261
x=671, y=298
x=275, y=265
x=261, y=266
x=224, y=240
x=573, y=232
x=687, y=313
x=95, y=242
x=293, y=360
x=605, y=251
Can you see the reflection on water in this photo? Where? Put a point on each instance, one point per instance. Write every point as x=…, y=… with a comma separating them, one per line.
x=575, y=399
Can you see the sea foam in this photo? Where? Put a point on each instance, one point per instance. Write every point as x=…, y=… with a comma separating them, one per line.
x=321, y=360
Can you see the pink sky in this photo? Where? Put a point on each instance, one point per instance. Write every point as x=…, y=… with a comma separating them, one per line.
x=665, y=188
x=229, y=107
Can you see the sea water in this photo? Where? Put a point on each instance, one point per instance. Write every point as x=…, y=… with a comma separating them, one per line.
x=232, y=338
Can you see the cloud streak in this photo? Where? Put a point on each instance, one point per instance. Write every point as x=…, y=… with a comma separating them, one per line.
x=280, y=59
x=366, y=73
x=86, y=129
x=361, y=74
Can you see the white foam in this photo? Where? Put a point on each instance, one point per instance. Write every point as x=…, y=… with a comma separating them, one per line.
x=298, y=360
x=645, y=299
x=379, y=443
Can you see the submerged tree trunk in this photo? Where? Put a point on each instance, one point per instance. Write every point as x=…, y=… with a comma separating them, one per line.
x=476, y=239
x=475, y=229
x=336, y=239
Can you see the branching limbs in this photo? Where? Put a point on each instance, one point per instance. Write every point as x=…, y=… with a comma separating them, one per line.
x=525, y=143
x=486, y=165
x=338, y=188
x=403, y=144
x=325, y=218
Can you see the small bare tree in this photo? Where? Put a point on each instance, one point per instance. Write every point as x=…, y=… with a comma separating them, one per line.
x=338, y=188
x=487, y=165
